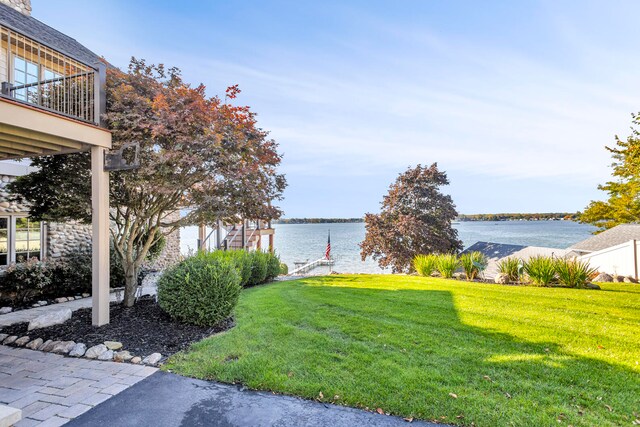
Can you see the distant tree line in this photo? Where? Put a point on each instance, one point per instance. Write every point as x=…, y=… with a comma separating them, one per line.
x=520, y=217
x=317, y=220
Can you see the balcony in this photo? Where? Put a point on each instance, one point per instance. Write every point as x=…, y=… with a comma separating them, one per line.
x=50, y=103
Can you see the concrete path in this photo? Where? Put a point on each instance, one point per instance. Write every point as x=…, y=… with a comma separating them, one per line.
x=29, y=314
x=165, y=399
x=52, y=389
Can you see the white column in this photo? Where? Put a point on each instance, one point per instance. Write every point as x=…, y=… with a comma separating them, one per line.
x=100, y=238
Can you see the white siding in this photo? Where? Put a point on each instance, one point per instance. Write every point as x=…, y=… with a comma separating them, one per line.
x=616, y=259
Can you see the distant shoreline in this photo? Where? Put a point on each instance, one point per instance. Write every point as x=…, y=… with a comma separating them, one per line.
x=552, y=216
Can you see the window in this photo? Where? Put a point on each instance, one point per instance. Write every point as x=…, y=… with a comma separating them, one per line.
x=25, y=72
x=20, y=239
x=4, y=241
x=27, y=241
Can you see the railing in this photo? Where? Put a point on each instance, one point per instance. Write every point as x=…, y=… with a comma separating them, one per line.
x=37, y=75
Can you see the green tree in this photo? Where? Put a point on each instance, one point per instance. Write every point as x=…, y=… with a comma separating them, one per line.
x=623, y=204
x=415, y=219
x=197, y=153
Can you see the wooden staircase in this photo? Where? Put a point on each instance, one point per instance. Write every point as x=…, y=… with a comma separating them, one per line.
x=245, y=235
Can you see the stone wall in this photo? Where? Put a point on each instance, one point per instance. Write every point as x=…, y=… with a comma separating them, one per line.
x=22, y=6
x=6, y=206
x=64, y=239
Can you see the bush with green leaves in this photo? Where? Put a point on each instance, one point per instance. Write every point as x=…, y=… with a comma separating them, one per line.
x=425, y=265
x=259, y=265
x=541, y=270
x=273, y=266
x=255, y=267
x=447, y=265
x=25, y=281
x=574, y=273
x=511, y=267
x=284, y=269
x=200, y=290
x=473, y=264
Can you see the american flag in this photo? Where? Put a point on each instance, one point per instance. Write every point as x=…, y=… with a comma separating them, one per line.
x=327, y=252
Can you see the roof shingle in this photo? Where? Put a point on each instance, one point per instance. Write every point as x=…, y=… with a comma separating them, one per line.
x=614, y=236
x=42, y=33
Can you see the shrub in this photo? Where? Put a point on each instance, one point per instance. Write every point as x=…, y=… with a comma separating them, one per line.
x=541, y=270
x=200, y=290
x=447, y=265
x=258, y=268
x=473, y=264
x=69, y=276
x=273, y=266
x=24, y=282
x=241, y=259
x=574, y=273
x=284, y=269
x=425, y=265
x=511, y=267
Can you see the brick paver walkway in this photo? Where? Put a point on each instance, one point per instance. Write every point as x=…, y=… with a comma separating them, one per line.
x=52, y=389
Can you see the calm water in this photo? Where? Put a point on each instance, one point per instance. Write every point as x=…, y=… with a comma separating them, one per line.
x=301, y=242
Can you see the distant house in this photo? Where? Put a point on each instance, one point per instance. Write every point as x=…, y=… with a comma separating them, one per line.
x=614, y=251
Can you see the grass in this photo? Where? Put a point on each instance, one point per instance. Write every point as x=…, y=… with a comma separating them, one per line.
x=510, y=355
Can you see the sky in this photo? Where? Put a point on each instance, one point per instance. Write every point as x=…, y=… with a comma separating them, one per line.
x=514, y=100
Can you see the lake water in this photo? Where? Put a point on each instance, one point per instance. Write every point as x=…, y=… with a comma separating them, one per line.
x=301, y=242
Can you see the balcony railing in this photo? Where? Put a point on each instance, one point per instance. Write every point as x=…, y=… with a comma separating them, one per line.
x=37, y=75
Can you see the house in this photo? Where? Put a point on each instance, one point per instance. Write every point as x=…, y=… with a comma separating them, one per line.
x=51, y=100
x=614, y=251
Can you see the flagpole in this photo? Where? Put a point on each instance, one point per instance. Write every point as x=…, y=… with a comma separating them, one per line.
x=330, y=264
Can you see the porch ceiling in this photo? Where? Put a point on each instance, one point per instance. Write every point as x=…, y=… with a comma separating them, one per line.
x=27, y=131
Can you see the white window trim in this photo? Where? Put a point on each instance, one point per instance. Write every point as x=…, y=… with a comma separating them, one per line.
x=11, y=237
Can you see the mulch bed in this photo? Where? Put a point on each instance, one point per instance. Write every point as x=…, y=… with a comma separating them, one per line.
x=142, y=329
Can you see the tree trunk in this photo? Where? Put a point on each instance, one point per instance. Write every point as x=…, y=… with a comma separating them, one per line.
x=130, y=285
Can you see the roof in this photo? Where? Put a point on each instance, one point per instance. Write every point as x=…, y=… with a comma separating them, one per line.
x=614, y=236
x=494, y=250
x=42, y=33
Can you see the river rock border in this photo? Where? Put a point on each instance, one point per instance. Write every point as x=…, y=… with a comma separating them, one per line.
x=107, y=351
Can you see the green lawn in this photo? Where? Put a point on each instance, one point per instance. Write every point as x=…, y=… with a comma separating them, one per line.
x=512, y=355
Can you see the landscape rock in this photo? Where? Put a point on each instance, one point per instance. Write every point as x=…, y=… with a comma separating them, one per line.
x=501, y=278
x=10, y=340
x=113, y=345
x=107, y=355
x=618, y=279
x=122, y=356
x=49, y=347
x=33, y=345
x=95, y=351
x=78, y=350
x=6, y=310
x=603, y=277
x=152, y=359
x=459, y=276
x=630, y=279
x=50, y=319
x=63, y=347
x=3, y=337
x=42, y=303
x=591, y=286
x=61, y=299
x=86, y=295
x=136, y=360
x=42, y=346
x=22, y=341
